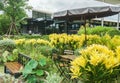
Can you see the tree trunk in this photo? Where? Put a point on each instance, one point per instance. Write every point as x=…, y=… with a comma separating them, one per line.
x=12, y=29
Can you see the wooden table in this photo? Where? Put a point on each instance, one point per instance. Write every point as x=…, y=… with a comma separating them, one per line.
x=68, y=57
x=62, y=63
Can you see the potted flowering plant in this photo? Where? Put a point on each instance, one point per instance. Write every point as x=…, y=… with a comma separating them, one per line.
x=96, y=64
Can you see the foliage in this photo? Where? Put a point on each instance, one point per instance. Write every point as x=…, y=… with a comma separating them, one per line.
x=77, y=51
x=53, y=78
x=113, y=32
x=7, y=50
x=95, y=64
x=15, y=11
x=7, y=44
x=114, y=42
x=45, y=37
x=6, y=78
x=34, y=69
x=3, y=57
x=36, y=49
x=55, y=51
x=45, y=50
x=33, y=36
x=73, y=42
x=4, y=24
x=64, y=41
x=31, y=42
x=31, y=46
x=9, y=56
x=27, y=36
x=98, y=30
x=93, y=39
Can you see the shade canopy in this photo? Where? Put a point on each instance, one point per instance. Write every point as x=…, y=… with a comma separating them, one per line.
x=86, y=9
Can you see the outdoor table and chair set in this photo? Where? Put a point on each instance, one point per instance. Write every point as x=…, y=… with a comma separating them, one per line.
x=62, y=63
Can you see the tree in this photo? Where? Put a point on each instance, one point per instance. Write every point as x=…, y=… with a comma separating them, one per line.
x=4, y=24
x=15, y=10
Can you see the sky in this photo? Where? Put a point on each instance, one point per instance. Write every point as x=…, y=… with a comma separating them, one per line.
x=55, y=5
x=50, y=6
x=46, y=5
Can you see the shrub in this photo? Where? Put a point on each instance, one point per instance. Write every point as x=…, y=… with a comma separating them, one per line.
x=53, y=78
x=9, y=56
x=99, y=30
x=34, y=36
x=45, y=50
x=7, y=50
x=113, y=32
x=7, y=44
x=6, y=78
x=29, y=46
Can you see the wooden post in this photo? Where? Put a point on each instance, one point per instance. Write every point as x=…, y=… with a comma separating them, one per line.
x=85, y=33
x=118, y=21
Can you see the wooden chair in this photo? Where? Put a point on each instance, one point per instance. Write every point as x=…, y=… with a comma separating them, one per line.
x=62, y=63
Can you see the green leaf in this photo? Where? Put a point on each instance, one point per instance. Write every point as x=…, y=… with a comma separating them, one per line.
x=5, y=54
x=33, y=63
x=27, y=70
x=15, y=51
x=11, y=58
x=31, y=79
x=4, y=59
x=39, y=72
x=42, y=62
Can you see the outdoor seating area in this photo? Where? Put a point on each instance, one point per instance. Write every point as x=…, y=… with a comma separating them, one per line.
x=63, y=54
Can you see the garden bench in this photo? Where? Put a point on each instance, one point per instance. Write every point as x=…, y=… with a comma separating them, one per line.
x=14, y=68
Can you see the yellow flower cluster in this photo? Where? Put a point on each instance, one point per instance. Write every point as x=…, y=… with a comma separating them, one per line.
x=115, y=41
x=117, y=50
x=62, y=41
x=32, y=42
x=99, y=49
x=76, y=64
x=93, y=56
x=42, y=42
x=76, y=41
x=20, y=41
x=93, y=39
